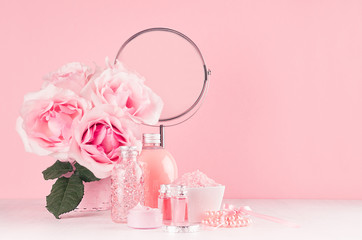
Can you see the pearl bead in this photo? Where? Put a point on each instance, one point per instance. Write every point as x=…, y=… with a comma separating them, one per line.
x=227, y=219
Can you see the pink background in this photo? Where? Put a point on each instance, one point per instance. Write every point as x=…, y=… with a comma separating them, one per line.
x=283, y=116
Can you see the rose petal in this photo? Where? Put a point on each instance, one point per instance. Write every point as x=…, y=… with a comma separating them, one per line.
x=109, y=129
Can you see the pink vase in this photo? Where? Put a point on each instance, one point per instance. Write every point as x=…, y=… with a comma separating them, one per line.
x=97, y=196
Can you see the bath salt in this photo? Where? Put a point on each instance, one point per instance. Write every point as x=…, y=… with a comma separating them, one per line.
x=195, y=179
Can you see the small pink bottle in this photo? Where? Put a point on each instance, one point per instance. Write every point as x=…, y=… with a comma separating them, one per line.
x=164, y=202
x=159, y=167
x=179, y=206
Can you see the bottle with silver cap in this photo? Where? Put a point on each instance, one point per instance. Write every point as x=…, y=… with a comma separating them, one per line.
x=164, y=202
x=127, y=184
x=159, y=167
x=179, y=204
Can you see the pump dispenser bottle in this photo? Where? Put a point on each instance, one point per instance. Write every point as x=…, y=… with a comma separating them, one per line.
x=159, y=167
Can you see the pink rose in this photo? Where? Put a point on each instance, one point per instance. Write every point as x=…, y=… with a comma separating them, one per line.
x=46, y=119
x=98, y=136
x=119, y=87
x=73, y=76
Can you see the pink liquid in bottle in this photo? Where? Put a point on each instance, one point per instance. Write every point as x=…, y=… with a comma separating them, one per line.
x=159, y=168
x=179, y=207
x=164, y=202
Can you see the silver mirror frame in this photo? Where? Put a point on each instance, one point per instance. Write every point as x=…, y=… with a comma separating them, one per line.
x=188, y=113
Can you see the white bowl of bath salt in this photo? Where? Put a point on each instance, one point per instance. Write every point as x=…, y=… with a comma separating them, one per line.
x=203, y=194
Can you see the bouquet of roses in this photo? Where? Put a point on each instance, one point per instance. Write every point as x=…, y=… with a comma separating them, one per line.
x=81, y=117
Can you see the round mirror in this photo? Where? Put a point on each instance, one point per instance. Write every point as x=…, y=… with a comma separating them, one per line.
x=173, y=67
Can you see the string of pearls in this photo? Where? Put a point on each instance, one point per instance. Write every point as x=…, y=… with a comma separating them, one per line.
x=226, y=218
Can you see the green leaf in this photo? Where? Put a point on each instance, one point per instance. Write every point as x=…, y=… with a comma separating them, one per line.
x=57, y=170
x=65, y=195
x=85, y=174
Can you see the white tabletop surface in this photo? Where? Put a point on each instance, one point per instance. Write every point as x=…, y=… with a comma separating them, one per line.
x=318, y=219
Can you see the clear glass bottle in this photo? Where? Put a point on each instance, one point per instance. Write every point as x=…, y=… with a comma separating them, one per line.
x=159, y=167
x=127, y=184
x=179, y=206
x=164, y=202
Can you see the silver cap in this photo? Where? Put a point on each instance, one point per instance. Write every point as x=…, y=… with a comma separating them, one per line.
x=152, y=138
x=165, y=188
x=181, y=190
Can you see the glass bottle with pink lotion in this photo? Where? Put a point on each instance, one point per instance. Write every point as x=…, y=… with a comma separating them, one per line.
x=159, y=167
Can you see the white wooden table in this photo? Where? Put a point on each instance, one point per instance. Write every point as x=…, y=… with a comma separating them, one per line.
x=318, y=219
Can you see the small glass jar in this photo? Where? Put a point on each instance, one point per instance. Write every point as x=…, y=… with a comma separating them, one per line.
x=164, y=202
x=179, y=204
